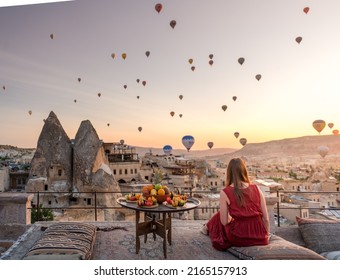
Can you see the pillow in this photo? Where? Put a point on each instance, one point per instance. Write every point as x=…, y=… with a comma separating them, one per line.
x=333, y=255
x=277, y=249
x=320, y=235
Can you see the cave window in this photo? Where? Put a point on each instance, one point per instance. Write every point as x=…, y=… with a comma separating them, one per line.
x=46, y=187
x=89, y=201
x=59, y=172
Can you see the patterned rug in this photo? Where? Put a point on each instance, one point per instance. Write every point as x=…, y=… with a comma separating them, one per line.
x=187, y=244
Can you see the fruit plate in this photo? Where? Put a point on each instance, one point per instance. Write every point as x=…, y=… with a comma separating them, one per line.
x=130, y=201
x=174, y=207
x=151, y=206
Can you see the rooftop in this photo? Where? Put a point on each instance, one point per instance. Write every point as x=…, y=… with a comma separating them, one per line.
x=116, y=241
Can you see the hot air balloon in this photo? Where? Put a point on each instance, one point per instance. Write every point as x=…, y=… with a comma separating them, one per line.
x=236, y=134
x=167, y=149
x=147, y=53
x=30, y=112
x=335, y=132
x=188, y=141
x=140, y=128
x=323, y=151
x=137, y=96
x=137, y=80
x=211, y=62
x=3, y=87
x=330, y=125
x=79, y=80
x=306, y=10
x=75, y=100
x=298, y=39
x=113, y=55
x=180, y=96
x=258, y=77
x=99, y=94
x=191, y=60
x=241, y=60
x=211, y=56
x=51, y=36
x=243, y=141
x=108, y=124
x=173, y=24
x=125, y=86
x=144, y=83
x=158, y=7
x=224, y=107
x=192, y=68
x=122, y=141
x=234, y=98
x=319, y=125
x=172, y=113
x=123, y=55
x=210, y=144
x=180, y=115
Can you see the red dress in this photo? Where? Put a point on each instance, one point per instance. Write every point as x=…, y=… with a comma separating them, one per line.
x=246, y=228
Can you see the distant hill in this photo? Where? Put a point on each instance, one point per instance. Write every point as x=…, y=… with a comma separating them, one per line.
x=305, y=147
x=191, y=154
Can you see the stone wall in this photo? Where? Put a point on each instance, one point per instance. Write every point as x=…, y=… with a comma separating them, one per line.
x=14, y=208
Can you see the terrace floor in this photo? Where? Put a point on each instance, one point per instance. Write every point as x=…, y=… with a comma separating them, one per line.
x=116, y=241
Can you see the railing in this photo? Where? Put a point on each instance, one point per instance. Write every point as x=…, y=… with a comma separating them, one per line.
x=94, y=206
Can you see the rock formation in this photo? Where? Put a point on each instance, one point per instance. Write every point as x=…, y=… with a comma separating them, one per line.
x=51, y=166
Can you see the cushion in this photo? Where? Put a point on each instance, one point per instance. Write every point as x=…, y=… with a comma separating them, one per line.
x=68, y=241
x=320, y=235
x=277, y=249
x=333, y=255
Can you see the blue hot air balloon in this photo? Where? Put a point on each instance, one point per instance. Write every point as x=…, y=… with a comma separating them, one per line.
x=167, y=149
x=188, y=141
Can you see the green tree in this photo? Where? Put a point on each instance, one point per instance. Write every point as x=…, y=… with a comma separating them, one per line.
x=42, y=215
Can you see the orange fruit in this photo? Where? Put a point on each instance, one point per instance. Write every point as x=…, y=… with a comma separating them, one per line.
x=161, y=192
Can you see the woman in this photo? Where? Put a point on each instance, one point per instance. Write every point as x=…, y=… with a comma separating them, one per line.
x=243, y=218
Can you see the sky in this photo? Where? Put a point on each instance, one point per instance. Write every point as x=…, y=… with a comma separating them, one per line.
x=299, y=81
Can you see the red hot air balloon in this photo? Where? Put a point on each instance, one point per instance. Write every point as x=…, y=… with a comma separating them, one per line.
x=172, y=113
x=298, y=39
x=306, y=10
x=335, y=131
x=241, y=60
x=158, y=7
x=173, y=24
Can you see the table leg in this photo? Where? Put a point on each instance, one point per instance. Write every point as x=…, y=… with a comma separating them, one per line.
x=137, y=237
x=164, y=234
x=169, y=229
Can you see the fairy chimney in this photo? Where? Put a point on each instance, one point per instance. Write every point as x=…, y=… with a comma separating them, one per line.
x=51, y=166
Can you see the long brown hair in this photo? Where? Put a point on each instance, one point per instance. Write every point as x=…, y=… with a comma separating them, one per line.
x=237, y=174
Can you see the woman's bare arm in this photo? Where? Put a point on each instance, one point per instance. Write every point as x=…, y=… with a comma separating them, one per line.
x=224, y=211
